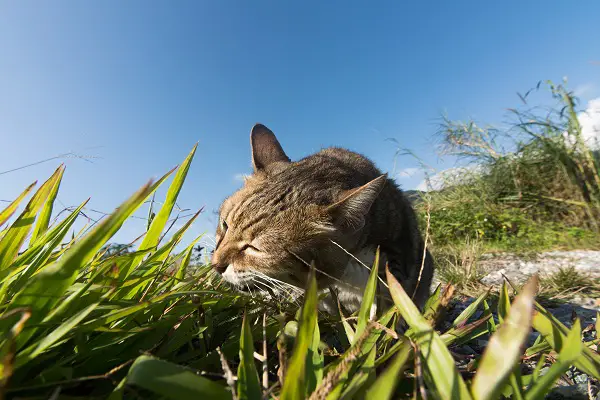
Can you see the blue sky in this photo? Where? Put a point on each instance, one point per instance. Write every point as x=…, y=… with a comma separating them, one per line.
x=134, y=85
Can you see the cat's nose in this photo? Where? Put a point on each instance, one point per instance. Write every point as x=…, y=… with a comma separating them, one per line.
x=219, y=267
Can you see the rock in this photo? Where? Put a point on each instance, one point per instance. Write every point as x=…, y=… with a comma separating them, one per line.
x=578, y=391
x=581, y=378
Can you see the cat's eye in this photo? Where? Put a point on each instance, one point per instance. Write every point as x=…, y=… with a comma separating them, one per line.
x=224, y=225
x=249, y=247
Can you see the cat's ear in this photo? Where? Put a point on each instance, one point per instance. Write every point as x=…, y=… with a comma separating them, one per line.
x=354, y=205
x=265, y=148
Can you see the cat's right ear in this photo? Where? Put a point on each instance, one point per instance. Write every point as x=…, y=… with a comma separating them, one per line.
x=354, y=205
x=266, y=149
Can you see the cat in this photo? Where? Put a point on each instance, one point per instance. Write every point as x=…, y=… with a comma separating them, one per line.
x=333, y=209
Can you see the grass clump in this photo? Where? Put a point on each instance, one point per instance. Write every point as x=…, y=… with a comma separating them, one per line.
x=568, y=282
x=80, y=318
x=458, y=265
x=533, y=186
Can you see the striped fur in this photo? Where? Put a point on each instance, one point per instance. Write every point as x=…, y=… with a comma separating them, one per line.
x=321, y=209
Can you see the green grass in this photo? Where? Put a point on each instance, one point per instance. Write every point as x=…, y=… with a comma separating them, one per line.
x=568, y=282
x=79, y=320
x=532, y=186
x=536, y=185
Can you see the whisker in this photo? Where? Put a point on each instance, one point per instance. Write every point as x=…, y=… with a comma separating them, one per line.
x=282, y=285
x=339, y=281
x=280, y=289
x=358, y=260
x=263, y=285
x=295, y=288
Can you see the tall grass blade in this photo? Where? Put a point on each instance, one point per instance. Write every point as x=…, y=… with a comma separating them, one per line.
x=14, y=238
x=294, y=387
x=248, y=385
x=368, y=300
x=35, y=257
x=503, y=302
x=44, y=290
x=159, y=222
x=156, y=260
x=57, y=334
x=12, y=207
x=437, y=360
x=504, y=347
x=468, y=312
x=48, y=242
x=43, y=219
x=384, y=386
x=569, y=353
x=363, y=377
x=555, y=333
x=314, y=362
x=180, y=275
x=173, y=381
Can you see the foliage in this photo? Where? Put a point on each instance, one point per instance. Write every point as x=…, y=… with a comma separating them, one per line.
x=79, y=321
x=532, y=185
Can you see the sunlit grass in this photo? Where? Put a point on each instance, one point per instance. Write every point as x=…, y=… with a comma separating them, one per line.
x=80, y=322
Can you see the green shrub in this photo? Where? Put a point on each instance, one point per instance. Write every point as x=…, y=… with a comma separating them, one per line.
x=543, y=192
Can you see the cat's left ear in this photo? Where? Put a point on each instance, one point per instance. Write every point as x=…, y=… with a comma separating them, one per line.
x=354, y=205
x=266, y=149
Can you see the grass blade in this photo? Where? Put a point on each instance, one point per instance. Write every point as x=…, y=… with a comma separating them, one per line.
x=158, y=258
x=362, y=378
x=44, y=290
x=14, y=238
x=294, y=387
x=504, y=347
x=43, y=219
x=368, y=301
x=36, y=256
x=159, y=222
x=468, y=312
x=503, y=302
x=570, y=352
x=248, y=385
x=314, y=362
x=180, y=275
x=173, y=381
x=47, y=341
x=437, y=360
x=12, y=207
x=555, y=333
x=383, y=388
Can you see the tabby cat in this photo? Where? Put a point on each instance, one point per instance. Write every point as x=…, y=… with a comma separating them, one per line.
x=333, y=209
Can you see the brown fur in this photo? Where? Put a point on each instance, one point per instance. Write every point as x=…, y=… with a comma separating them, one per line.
x=288, y=213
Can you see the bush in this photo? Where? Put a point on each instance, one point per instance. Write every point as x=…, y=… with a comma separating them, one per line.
x=535, y=184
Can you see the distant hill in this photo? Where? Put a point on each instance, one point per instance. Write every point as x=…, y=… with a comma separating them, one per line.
x=413, y=195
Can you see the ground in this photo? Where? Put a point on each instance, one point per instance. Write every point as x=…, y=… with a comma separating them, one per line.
x=578, y=271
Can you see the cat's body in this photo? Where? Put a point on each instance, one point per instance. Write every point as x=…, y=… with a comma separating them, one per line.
x=325, y=209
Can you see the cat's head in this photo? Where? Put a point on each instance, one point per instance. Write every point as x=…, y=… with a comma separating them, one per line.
x=271, y=229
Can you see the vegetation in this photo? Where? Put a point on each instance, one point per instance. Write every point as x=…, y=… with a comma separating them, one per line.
x=84, y=319
x=534, y=185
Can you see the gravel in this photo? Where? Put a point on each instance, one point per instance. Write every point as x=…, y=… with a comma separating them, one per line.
x=518, y=270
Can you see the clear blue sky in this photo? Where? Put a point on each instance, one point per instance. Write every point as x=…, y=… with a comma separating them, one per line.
x=138, y=83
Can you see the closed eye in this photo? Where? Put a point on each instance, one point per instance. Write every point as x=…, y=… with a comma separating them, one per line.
x=249, y=247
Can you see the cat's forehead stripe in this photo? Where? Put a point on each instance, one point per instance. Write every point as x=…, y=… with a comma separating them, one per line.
x=239, y=207
x=262, y=197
